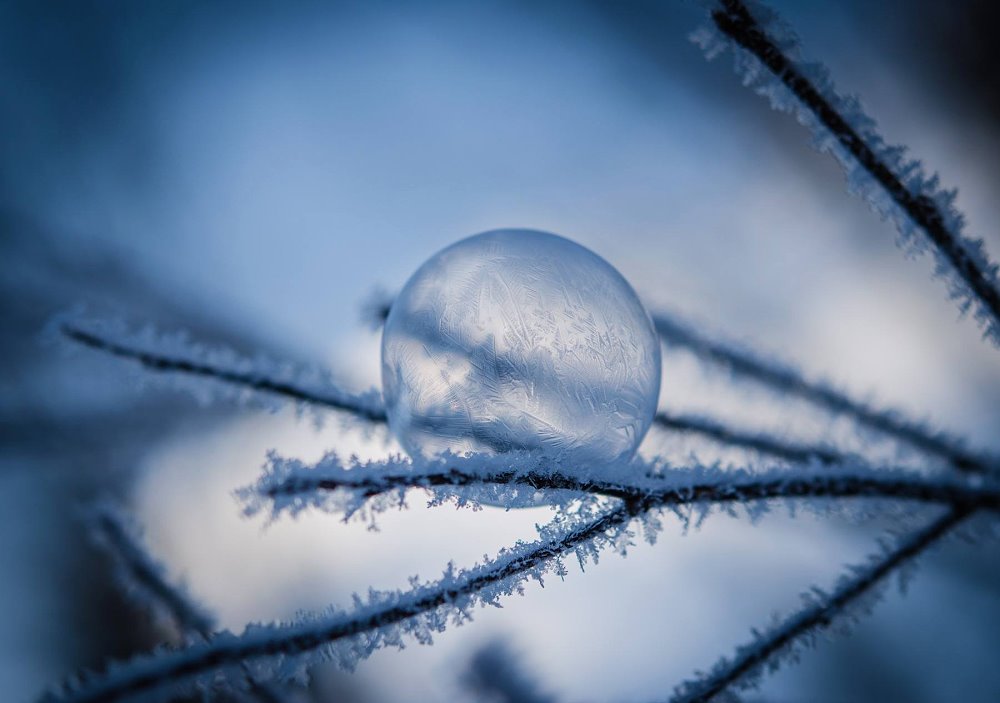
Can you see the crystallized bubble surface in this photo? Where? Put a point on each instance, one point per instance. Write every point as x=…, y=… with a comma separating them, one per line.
x=519, y=339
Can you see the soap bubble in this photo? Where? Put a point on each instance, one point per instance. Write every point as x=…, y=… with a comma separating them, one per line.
x=520, y=340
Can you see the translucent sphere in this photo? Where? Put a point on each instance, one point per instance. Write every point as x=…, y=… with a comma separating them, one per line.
x=519, y=339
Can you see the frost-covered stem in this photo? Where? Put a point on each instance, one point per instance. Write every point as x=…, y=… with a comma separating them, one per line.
x=723, y=490
x=788, y=380
x=141, y=569
x=260, y=381
x=738, y=23
x=821, y=615
x=253, y=381
x=758, y=442
x=175, y=666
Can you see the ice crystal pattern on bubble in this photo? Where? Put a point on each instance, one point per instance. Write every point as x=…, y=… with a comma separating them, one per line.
x=519, y=339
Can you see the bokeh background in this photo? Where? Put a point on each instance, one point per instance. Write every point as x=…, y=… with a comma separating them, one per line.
x=250, y=171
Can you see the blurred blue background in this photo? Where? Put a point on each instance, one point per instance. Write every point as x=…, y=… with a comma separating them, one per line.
x=251, y=171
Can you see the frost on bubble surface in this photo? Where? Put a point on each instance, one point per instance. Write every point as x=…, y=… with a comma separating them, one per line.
x=520, y=340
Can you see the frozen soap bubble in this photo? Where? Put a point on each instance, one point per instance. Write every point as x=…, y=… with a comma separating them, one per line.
x=519, y=339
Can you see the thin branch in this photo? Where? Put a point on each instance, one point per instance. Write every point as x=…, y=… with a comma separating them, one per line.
x=141, y=574
x=751, y=657
x=917, y=198
x=483, y=584
x=144, y=577
x=333, y=398
x=290, y=486
x=386, y=616
x=756, y=441
x=786, y=379
x=912, y=200
x=256, y=380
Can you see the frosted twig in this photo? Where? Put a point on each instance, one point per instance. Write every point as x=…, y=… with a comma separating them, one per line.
x=145, y=579
x=332, y=485
x=895, y=187
x=898, y=189
x=240, y=372
x=323, y=394
x=821, y=611
x=757, y=441
x=784, y=378
x=381, y=621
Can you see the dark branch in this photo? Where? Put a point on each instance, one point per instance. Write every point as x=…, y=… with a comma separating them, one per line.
x=177, y=665
x=724, y=490
x=737, y=22
x=762, y=443
x=261, y=383
x=140, y=568
x=256, y=382
x=752, y=656
x=789, y=381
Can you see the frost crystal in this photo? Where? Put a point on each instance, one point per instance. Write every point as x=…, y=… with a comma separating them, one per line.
x=208, y=372
x=897, y=187
x=518, y=339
